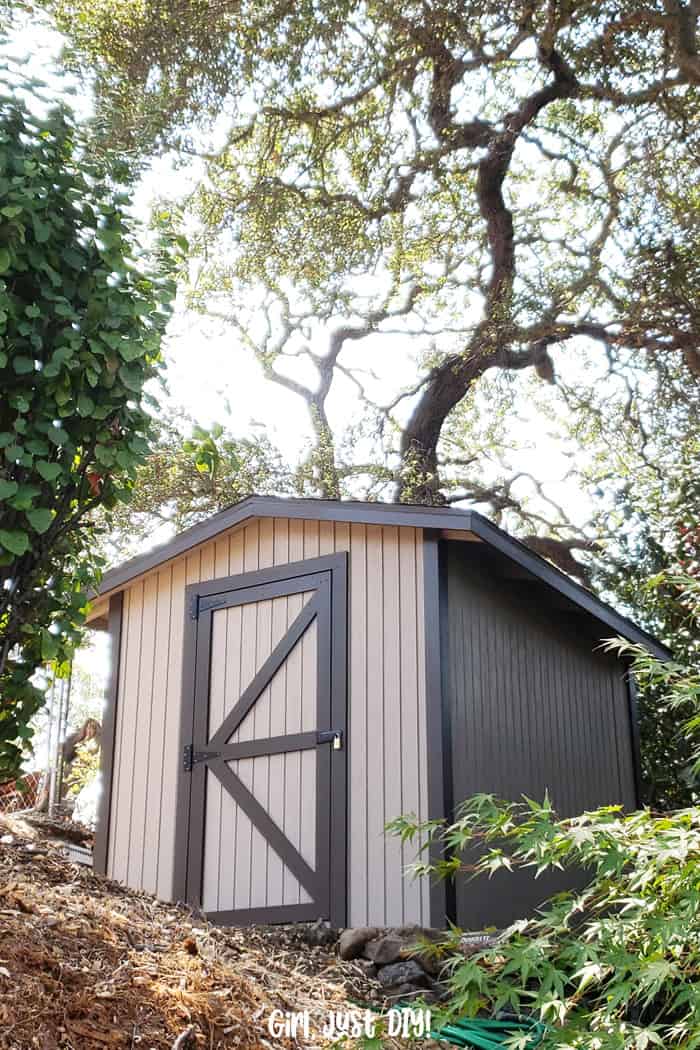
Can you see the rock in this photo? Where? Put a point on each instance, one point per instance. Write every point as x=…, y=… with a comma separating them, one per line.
x=413, y=933
x=402, y=942
x=319, y=934
x=404, y=991
x=7, y=840
x=352, y=942
x=384, y=949
x=471, y=943
x=368, y=968
x=408, y=991
x=432, y=961
x=398, y=973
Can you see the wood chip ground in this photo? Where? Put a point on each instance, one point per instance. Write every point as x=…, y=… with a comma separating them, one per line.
x=85, y=963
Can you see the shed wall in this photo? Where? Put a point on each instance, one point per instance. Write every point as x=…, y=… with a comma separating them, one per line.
x=387, y=751
x=533, y=709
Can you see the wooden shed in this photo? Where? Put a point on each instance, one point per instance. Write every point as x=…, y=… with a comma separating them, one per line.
x=291, y=674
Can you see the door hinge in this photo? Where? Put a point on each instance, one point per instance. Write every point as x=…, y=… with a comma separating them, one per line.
x=194, y=607
x=331, y=736
x=190, y=757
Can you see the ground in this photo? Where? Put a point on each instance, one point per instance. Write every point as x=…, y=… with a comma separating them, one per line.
x=85, y=963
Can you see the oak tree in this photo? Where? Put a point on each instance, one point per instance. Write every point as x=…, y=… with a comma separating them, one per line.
x=504, y=190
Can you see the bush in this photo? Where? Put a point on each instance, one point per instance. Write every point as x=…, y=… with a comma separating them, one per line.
x=82, y=313
x=616, y=965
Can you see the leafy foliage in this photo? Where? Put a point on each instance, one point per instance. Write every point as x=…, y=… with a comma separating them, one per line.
x=614, y=966
x=656, y=559
x=505, y=188
x=81, y=322
x=84, y=768
x=185, y=479
x=671, y=692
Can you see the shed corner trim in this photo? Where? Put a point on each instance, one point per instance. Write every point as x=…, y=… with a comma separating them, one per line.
x=101, y=847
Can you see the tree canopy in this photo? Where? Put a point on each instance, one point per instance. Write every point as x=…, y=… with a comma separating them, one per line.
x=81, y=320
x=190, y=472
x=476, y=223
x=506, y=191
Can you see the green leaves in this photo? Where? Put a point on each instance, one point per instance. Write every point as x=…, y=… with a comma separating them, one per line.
x=57, y=435
x=86, y=406
x=63, y=322
x=13, y=452
x=104, y=455
x=15, y=541
x=130, y=351
x=22, y=365
x=42, y=230
x=24, y=497
x=50, y=645
x=131, y=377
x=40, y=519
x=49, y=471
x=7, y=488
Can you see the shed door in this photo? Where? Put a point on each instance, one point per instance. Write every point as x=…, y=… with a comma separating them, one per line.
x=264, y=771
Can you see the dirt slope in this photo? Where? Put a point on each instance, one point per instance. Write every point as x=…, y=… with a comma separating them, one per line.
x=85, y=963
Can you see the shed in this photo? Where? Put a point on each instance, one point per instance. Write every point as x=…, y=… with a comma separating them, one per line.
x=290, y=674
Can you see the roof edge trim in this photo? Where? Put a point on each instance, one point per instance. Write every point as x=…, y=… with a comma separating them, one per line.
x=364, y=513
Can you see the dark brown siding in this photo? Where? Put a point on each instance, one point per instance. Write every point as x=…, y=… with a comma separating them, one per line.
x=534, y=709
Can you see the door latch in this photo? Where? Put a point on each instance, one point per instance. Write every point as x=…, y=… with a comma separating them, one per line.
x=190, y=757
x=331, y=736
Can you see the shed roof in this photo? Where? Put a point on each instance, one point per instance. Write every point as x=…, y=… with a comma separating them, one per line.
x=524, y=562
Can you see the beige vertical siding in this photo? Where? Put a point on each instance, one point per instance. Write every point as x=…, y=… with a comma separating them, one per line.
x=386, y=718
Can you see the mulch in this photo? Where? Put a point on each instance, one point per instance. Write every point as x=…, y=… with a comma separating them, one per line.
x=86, y=963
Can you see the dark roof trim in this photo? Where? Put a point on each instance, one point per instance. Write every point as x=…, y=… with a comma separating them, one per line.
x=278, y=507
x=559, y=581
x=384, y=514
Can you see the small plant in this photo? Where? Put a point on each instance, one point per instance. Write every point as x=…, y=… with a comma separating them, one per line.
x=84, y=768
x=614, y=966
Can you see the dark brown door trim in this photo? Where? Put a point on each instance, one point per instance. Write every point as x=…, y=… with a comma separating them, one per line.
x=279, y=573
x=109, y=725
x=327, y=576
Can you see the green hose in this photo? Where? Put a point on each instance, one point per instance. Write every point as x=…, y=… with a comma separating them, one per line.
x=487, y=1034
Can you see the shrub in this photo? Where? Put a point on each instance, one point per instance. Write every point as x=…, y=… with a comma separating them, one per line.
x=616, y=965
x=81, y=320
